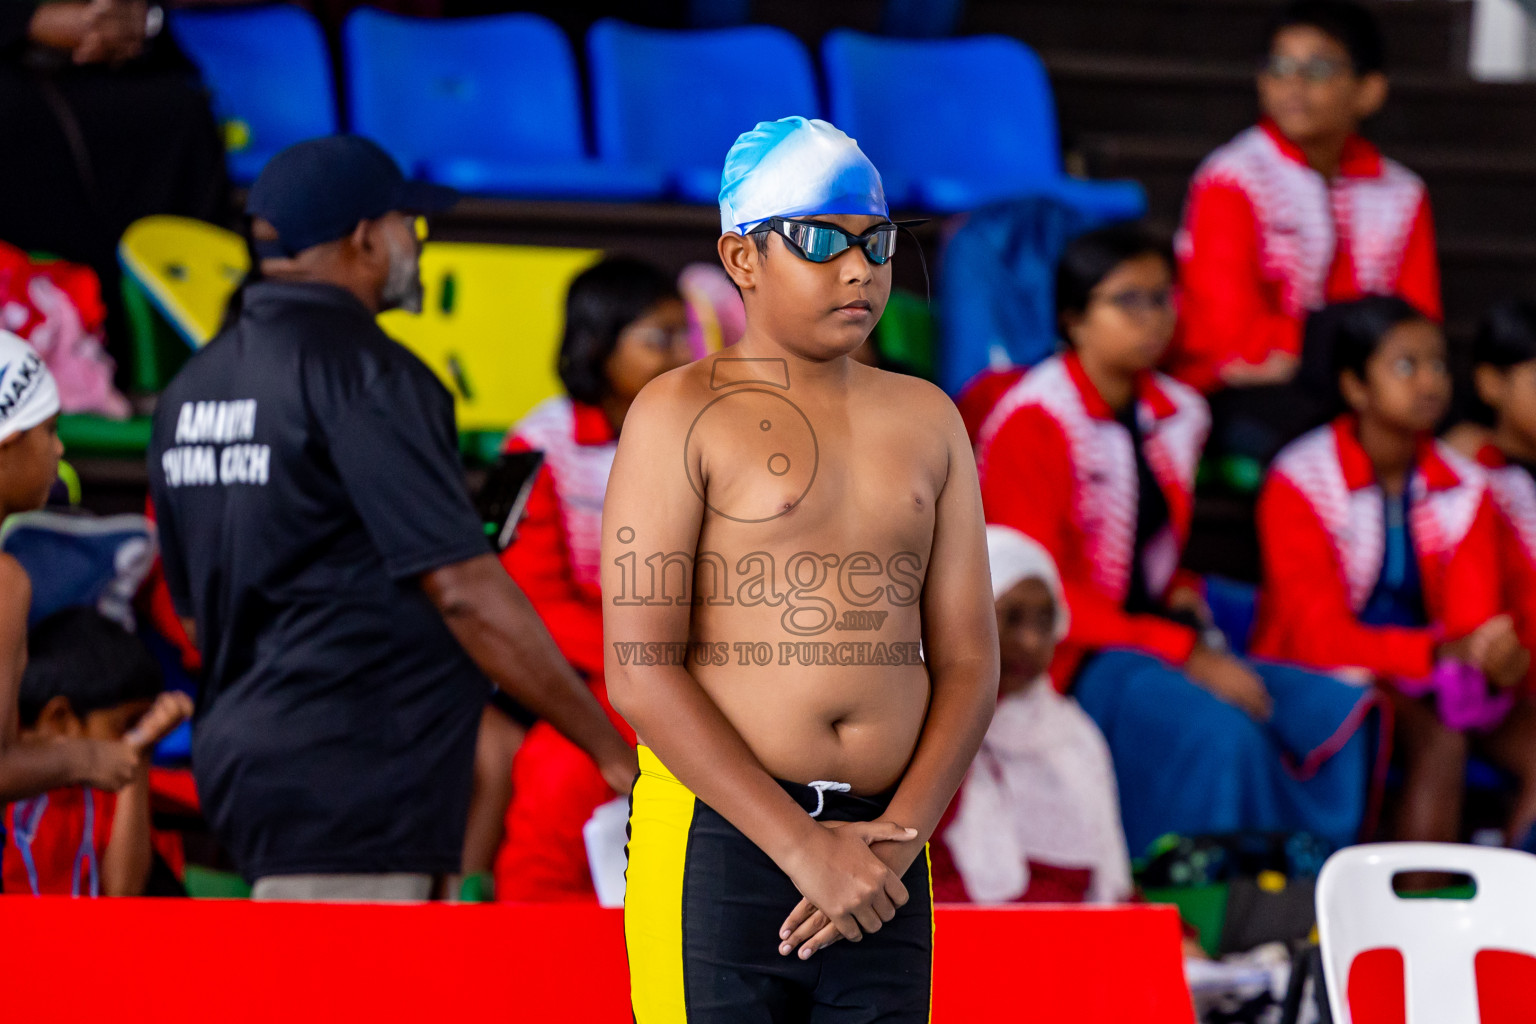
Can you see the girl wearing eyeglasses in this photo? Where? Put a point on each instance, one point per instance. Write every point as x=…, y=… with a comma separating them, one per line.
x=1093, y=454
x=1381, y=554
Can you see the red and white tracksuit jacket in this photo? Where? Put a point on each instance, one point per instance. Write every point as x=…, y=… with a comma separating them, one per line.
x=1323, y=538
x=1265, y=240
x=1514, y=496
x=1056, y=465
x=555, y=559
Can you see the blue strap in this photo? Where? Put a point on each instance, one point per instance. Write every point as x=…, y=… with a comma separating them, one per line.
x=86, y=854
x=26, y=815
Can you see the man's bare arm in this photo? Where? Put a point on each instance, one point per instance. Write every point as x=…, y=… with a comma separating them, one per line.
x=650, y=500
x=498, y=628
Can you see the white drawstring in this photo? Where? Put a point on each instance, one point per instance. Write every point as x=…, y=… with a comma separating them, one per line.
x=821, y=788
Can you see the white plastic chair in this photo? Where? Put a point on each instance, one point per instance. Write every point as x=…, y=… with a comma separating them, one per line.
x=1357, y=910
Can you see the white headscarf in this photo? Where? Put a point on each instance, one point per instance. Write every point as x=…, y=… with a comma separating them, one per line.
x=1043, y=787
x=28, y=395
x=1015, y=558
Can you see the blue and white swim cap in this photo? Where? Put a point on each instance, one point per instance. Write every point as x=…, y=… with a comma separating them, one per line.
x=796, y=167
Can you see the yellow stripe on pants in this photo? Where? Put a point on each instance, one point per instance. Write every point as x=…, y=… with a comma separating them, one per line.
x=660, y=816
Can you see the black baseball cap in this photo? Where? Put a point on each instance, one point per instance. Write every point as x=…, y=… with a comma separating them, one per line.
x=318, y=190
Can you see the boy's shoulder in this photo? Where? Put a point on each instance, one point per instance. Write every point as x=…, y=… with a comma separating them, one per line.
x=1252, y=159
x=679, y=394
x=675, y=396
x=1238, y=157
x=926, y=397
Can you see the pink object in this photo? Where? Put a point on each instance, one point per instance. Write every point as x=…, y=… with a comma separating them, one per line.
x=1466, y=702
x=56, y=306
x=716, y=317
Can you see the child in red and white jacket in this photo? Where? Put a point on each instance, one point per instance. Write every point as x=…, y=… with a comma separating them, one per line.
x=1298, y=211
x=1093, y=455
x=1381, y=557
x=625, y=325
x=1504, y=375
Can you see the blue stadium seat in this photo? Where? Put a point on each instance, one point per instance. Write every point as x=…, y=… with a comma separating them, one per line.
x=676, y=100
x=270, y=78
x=488, y=105
x=957, y=123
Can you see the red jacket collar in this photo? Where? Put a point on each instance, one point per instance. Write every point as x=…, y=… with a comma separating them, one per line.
x=1360, y=159
x=1358, y=471
x=1148, y=394
x=591, y=424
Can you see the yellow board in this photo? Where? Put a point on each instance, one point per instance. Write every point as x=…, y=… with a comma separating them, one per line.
x=187, y=267
x=490, y=325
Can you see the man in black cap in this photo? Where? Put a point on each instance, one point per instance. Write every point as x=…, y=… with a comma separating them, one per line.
x=317, y=532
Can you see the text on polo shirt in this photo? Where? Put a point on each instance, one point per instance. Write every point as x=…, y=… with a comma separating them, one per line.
x=209, y=448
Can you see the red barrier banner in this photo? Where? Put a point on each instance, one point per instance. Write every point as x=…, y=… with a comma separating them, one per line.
x=169, y=961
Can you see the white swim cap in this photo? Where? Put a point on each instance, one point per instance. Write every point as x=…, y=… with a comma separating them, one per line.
x=28, y=395
x=796, y=167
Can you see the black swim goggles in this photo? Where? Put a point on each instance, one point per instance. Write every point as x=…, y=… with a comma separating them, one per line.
x=819, y=241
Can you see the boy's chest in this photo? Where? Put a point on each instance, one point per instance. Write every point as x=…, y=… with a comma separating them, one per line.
x=877, y=488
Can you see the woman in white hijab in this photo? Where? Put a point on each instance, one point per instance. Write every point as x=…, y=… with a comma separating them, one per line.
x=1038, y=817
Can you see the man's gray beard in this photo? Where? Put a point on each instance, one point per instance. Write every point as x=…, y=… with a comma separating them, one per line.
x=402, y=288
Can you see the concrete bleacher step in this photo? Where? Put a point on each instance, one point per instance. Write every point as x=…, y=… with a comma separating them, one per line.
x=1426, y=35
x=1104, y=94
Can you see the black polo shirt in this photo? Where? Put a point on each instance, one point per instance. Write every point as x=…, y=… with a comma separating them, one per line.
x=305, y=473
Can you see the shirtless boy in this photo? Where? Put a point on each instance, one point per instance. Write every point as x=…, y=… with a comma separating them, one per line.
x=798, y=623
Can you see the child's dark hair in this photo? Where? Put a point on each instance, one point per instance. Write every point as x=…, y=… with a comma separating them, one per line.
x=1353, y=330
x=1089, y=258
x=1352, y=25
x=1507, y=335
x=89, y=660
x=602, y=301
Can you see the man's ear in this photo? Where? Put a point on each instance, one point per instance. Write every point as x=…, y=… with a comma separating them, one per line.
x=1489, y=382
x=740, y=257
x=1370, y=94
x=1353, y=389
x=57, y=718
x=364, y=237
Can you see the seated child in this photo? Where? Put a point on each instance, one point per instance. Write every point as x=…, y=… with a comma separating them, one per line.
x=29, y=463
x=1381, y=555
x=1038, y=817
x=1297, y=212
x=625, y=324
x=1504, y=375
x=88, y=678
x=1093, y=454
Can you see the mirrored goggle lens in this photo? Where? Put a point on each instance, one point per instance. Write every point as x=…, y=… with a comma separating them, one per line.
x=881, y=246
x=821, y=244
